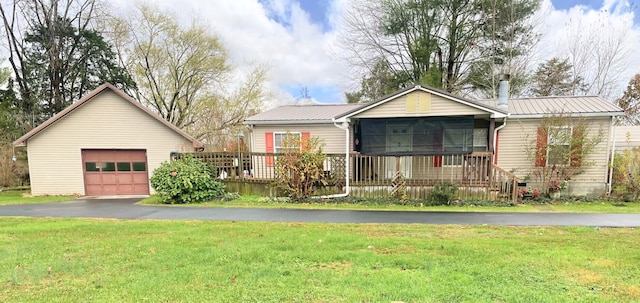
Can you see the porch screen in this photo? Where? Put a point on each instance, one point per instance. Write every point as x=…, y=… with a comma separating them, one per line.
x=415, y=136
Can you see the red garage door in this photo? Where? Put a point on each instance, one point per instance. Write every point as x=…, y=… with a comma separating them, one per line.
x=115, y=172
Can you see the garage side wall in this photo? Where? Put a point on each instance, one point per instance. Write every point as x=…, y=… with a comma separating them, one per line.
x=105, y=122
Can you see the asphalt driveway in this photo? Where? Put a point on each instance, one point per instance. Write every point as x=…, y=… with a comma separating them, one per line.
x=126, y=209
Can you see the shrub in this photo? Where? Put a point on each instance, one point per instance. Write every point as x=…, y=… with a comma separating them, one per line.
x=186, y=180
x=443, y=193
x=300, y=167
x=626, y=174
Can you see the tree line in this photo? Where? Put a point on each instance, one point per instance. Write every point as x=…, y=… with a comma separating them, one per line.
x=463, y=46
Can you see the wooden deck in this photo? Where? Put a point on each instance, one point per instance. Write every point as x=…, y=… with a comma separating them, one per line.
x=474, y=174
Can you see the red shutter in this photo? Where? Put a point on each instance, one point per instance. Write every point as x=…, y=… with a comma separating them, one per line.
x=437, y=143
x=541, y=148
x=305, y=140
x=437, y=161
x=576, y=147
x=268, y=142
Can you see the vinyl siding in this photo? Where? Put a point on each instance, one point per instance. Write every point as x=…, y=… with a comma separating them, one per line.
x=520, y=134
x=331, y=136
x=105, y=122
x=439, y=106
x=328, y=134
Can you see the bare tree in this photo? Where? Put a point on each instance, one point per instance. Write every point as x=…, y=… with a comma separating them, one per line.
x=597, y=53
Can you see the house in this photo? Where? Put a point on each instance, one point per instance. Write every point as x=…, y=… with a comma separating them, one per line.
x=104, y=144
x=429, y=136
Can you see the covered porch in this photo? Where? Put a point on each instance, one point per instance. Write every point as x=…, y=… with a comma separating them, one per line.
x=474, y=174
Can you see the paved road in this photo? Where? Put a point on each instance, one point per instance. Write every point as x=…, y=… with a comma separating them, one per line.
x=126, y=209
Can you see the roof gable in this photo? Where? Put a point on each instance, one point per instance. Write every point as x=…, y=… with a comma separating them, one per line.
x=494, y=111
x=22, y=141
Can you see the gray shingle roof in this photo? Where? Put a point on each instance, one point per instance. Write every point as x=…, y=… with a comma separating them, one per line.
x=301, y=114
x=573, y=105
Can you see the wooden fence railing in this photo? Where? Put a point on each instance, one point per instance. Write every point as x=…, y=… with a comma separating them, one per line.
x=371, y=176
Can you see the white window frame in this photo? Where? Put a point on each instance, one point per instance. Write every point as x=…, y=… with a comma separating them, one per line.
x=276, y=143
x=551, y=142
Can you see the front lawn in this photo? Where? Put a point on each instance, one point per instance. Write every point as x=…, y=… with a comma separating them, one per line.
x=573, y=207
x=79, y=260
x=22, y=197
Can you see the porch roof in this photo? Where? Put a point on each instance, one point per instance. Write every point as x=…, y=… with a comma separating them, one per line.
x=538, y=107
x=490, y=109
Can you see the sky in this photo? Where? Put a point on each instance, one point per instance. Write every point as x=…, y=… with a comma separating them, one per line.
x=297, y=39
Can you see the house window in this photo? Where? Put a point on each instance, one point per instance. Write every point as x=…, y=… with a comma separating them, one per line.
x=461, y=141
x=455, y=143
x=559, y=139
x=278, y=139
x=480, y=139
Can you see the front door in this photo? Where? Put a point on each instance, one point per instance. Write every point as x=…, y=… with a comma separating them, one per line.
x=399, y=139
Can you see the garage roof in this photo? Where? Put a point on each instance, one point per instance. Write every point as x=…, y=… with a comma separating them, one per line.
x=22, y=141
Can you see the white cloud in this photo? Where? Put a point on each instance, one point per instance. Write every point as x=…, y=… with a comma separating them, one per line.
x=281, y=35
x=614, y=20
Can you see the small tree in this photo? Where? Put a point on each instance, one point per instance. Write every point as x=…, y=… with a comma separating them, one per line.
x=300, y=167
x=626, y=173
x=186, y=180
x=561, y=150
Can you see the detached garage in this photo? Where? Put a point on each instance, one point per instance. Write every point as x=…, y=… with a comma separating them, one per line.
x=104, y=144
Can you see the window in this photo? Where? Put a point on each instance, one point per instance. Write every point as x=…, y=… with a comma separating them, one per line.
x=480, y=139
x=279, y=137
x=92, y=166
x=108, y=166
x=123, y=166
x=559, y=139
x=455, y=143
x=139, y=166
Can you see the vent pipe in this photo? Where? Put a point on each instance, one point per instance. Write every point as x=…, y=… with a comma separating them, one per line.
x=503, y=92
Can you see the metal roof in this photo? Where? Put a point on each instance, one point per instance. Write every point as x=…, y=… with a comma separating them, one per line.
x=301, y=114
x=570, y=105
x=517, y=107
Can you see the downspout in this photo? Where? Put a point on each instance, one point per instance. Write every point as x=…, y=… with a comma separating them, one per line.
x=495, y=134
x=612, y=133
x=344, y=126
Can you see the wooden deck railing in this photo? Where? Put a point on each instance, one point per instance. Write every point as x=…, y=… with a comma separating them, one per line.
x=371, y=176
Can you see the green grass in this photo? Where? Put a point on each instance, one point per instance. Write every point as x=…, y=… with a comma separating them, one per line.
x=22, y=197
x=74, y=260
x=574, y=207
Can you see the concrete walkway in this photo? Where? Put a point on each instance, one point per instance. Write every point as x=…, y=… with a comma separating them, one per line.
x=126, y=209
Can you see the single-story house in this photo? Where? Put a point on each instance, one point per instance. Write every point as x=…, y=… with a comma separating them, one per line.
x=426, y=133
x=106, y=143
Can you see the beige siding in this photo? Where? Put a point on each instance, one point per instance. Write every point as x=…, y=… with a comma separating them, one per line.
x=437, y=106
x=105, y=122
x=331, y=136
x=520, y=135
x=627, y=137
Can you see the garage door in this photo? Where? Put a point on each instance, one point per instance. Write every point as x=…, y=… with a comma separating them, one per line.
x=115, y=172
